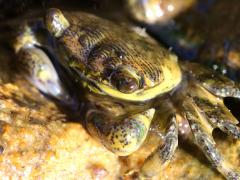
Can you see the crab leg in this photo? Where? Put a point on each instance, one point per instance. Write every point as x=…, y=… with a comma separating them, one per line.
x=215, y=111
x=122, y=136
x=203, y=138
x=205, y=112
x=212, y=81
x=155, y=163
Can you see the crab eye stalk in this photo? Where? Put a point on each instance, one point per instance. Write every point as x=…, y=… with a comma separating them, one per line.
x=55, y=22
x=125, y=80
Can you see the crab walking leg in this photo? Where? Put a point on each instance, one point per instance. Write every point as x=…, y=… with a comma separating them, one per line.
x=215, y=111
x=121, y=136
x=163, y=154
x=203, y=138
x=213, y=81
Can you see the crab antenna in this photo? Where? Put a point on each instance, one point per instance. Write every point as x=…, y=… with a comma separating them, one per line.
x=55, y=22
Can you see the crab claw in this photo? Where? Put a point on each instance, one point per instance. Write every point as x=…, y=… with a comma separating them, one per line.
x=121, y=136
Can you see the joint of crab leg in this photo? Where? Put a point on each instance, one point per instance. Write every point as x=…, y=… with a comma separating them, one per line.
x=226, y=91
x=223, y=120
x=215, y=83
x=122, y=136
x=163, y=154
x=215, y=111
x=212, y=154
x=231, y=128
x=206, y=143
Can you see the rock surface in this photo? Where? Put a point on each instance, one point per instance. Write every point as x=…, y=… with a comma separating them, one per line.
x=35, y=142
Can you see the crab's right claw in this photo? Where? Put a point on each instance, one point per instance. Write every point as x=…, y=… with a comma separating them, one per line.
x=120, y=136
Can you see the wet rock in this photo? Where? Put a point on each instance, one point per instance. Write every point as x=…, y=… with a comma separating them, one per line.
x=39, y=144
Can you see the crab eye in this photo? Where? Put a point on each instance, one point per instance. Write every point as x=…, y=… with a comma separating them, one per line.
x=55, y=22
x=124, y=80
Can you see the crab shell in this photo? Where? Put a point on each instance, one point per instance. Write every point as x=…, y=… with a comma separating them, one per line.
x=96, y=51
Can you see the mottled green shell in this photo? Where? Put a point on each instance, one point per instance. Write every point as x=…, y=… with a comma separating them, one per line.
x=96, y=47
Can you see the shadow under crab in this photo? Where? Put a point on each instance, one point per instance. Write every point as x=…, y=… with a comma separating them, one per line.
x=129, y=85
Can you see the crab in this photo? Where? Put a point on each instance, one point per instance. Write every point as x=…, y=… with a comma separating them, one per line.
x=126, y=85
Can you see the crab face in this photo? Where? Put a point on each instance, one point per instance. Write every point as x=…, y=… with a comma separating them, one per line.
x=129, y=83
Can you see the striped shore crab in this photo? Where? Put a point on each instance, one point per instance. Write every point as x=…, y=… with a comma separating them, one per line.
x=127, y=85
